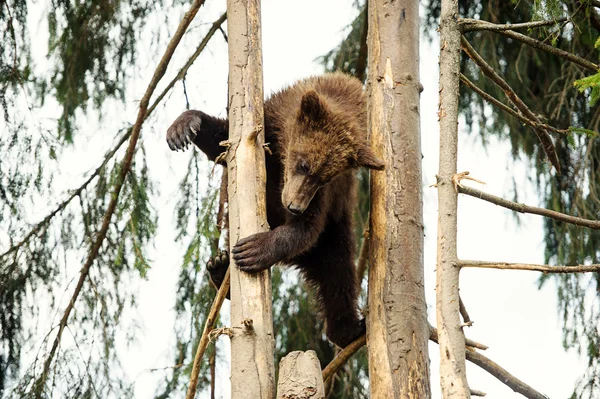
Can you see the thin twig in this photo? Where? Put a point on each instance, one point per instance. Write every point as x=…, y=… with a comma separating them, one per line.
x=463, y=311
x=522, y=208
x=343, y=357
x=492, y=100
x=550, y=49
x=211, y=319
x=531, y=267
x=542, y=134
x=124, y=170
x=504, y=376
x=470, y=25
x=109, y=155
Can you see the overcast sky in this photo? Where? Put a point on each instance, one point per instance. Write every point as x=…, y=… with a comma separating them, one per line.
x=516, y=320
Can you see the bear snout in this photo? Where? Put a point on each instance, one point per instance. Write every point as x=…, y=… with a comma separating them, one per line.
x=295, y=209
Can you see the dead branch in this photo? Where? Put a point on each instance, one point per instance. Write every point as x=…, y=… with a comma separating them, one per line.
x=351, y=349
x=124, y=170
x=463, y=311
x=549, y=49
x=433, y=336
x=110, y=154
x=522, y=208
x=504, y=376
x=492, y=100
x=471, y=25
x=475, y=392
x=532, y=267
x=211, y=319
x=343, y=357
x=488, y=71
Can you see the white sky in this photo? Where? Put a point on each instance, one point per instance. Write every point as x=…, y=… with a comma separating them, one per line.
x=516, y=320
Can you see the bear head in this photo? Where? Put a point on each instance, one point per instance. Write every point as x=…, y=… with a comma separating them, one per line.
x=323, y=142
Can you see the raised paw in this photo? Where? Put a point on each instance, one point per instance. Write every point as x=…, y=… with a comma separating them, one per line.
x=343, y=332
x=254, y=253
x=217, y=268
x=183, y=131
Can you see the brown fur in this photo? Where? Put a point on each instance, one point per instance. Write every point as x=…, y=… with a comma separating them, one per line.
x=316, y=129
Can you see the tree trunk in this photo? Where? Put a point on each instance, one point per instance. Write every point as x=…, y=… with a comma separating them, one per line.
x=252, y=366
x=453, y=378
x=398, y=331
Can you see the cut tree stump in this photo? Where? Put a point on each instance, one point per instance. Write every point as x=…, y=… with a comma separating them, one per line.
x=300, y=376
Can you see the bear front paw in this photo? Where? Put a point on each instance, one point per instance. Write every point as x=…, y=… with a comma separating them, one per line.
x=217, y=268
x=183, y=131
x=254, y=253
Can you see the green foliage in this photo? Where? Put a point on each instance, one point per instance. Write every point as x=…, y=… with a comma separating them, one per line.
x=593, y=84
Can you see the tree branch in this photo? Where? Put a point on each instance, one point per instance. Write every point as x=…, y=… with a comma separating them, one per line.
x=109, y=155
x=531, y=267
x=343, y=357
x=124, y=170
x=492, y=100
x=208, y=326
x=542, y=134
x=503, y=376
x=471, y=25
x=521, y=208
x=549, y=49
x=352, y=348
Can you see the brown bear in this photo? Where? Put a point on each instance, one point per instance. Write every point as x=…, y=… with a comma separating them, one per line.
x=316, y=130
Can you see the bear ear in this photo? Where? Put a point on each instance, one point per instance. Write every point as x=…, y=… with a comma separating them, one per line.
x=312, y=108
x=367, y=158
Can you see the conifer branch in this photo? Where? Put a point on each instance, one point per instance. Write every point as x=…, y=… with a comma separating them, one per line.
x=550, y=49
x=111, y=153
x=123, y=171
x=542, y=134
x=471, y=25
x=522, y=208
x=492, y=100
x=211, y=319
x=532, y=267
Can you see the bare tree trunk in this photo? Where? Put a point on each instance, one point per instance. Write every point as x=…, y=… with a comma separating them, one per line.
x=398, y=331
x=453, y=378
x=252, y=365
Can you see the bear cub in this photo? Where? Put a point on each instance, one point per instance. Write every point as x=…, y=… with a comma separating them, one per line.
x=316, y=130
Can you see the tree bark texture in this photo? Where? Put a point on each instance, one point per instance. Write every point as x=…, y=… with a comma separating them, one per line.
x=397, y=328
x=300, y=376
x=453, y=378
x=252, y=343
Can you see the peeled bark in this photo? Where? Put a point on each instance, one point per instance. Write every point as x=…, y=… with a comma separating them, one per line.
x=453, y=378
x=397, y=328
x=252, y=366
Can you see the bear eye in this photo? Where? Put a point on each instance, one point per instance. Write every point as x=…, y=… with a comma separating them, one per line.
x=303, y=168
